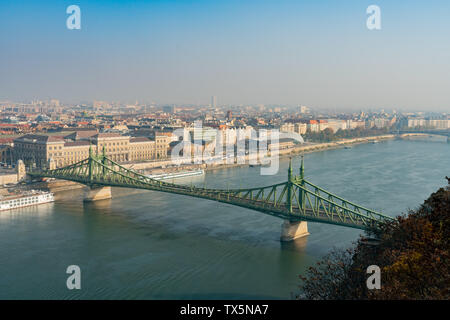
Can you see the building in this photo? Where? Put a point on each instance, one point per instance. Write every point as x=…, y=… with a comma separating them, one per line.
x=313, y=126
x=81, y=134
x=428, y=123
x=161, y=146
x=37, y=150
x=68, y=152
x=287, y=127
x=380, y=123
x=203, y=133
x=229, y=115
x=336, y=124
x=6, y=154
x=169, y=109
x=116, y=146
x=141, y=148
x=353, y=124
x=304, y=109
x=300, y=128
x=281, y=144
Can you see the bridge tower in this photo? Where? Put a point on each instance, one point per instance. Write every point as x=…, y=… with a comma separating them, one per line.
x=291, y=230
x=301, y=192
x=96, y=192
x=289, y=187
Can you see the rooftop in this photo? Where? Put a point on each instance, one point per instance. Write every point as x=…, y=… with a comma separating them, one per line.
x=81, y=134
x=76, y=143
x=39, y=138
x=107, y=135
x=139, y=139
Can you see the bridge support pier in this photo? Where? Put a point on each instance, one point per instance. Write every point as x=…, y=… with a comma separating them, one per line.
x=97, y=193
x=291, y=230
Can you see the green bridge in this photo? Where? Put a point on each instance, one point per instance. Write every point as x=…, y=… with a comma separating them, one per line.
x=296, y=201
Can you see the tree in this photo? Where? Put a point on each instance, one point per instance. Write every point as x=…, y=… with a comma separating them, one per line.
x=412, y=252
x=327, y=135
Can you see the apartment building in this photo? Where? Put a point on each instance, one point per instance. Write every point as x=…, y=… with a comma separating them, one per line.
x=141, y=148
x=294, y=127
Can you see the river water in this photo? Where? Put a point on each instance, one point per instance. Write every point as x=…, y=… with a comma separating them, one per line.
x=151, y=245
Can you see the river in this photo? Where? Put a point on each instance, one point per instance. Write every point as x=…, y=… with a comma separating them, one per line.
x=151, y=245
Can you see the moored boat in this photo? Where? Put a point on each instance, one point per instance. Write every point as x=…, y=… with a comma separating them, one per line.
x=25, y=199
x=176, y=175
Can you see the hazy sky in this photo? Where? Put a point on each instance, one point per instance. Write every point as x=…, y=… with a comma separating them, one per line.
x=315, y=53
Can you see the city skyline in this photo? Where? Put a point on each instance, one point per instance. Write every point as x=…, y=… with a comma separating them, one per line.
x=284, y=52
x=49, y=101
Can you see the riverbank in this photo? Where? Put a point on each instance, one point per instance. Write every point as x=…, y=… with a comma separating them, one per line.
x=310, y=148
x=168, y=166
x=335, y=144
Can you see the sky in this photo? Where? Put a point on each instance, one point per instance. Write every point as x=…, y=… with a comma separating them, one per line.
x=316, y=53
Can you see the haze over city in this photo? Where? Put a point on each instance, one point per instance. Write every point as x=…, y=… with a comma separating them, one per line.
x=254, y=52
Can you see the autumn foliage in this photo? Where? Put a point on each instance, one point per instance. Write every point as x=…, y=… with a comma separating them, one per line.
x=412, y=253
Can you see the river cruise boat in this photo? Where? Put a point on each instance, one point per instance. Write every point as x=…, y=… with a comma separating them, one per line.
x=264, y=163
x=176, y=175
x=25, y=199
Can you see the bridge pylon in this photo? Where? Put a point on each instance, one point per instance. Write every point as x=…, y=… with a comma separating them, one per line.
x=95, y=193
x=291, y=230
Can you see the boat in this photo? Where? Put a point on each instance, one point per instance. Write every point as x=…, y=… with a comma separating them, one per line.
x=347, y=147
x=25, y=199
x=261, y=164
x=176, y=175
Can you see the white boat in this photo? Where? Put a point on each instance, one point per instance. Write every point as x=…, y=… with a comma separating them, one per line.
x=175, y=175
x=25, y=199
x=264, y=163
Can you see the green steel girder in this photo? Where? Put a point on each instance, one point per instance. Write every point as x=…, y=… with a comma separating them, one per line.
x=295, y=200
